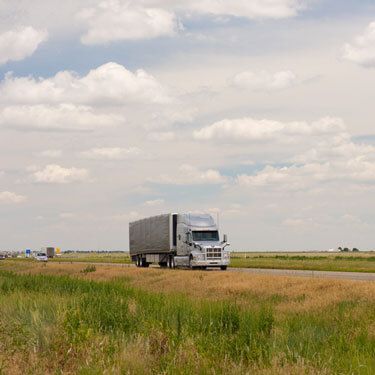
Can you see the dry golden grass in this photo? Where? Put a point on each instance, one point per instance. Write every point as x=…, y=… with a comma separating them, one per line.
x=67, y=330
x=289, y=292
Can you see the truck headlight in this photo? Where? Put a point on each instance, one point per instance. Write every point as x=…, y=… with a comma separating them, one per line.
x=199, y=256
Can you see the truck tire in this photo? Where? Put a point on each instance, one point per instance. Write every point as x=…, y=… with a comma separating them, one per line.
x=190, y=265
x=223, y=268
x=138, y=261
x=144, y=263
x=171, y=262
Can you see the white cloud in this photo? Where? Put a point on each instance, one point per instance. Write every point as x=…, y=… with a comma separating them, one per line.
x=112, y=153
x=355, y=171
x=10, y=197
x=112, y=20
x=248, y=129
x=106, y=96
x=59, y=117
x=264, y=81
x=154, y=203
x=362, y=51
x=190, y=175
x=20, y=43
x=55, y=174
x=109, y=84
x=246, y=8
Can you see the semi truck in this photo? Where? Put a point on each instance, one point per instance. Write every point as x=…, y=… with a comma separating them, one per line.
x=178, y=240
x=49, y=251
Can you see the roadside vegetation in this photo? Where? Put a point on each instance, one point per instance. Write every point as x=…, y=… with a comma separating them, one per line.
x=352, y=262
x=345, y=262
x=57, y=318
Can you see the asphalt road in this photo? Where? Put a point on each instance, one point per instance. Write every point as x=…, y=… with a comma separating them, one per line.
x=316, y=274
x=361, y=276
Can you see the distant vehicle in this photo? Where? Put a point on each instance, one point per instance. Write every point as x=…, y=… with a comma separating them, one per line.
x=50, y=251
x=2, y=256
x=178, y=240
x=41, y=257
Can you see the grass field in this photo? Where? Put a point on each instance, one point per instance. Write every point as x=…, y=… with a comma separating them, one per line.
x=74, y=318
x=352, y=262
x=347, y=262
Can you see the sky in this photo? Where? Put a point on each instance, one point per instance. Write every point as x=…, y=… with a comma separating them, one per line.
x=260, y=112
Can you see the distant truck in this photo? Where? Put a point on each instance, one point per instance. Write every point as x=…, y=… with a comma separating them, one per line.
x=49, y=251
x=178, y=240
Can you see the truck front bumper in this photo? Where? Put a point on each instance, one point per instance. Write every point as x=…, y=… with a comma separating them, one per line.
x=210, y=262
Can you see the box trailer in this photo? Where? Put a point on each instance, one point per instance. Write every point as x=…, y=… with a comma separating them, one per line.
x=178, y=240
x=49, y=251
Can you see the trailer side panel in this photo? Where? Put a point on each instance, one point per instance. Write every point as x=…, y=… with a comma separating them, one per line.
x=151, y=235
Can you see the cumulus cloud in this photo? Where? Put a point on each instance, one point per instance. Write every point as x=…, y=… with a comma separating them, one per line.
x=106, y=96
x=246, y=8
x=10, y=197
x=249, y=129
x=20, y=43
x=60, y=117
x=111, y=153
x=113, y=20
x=362, y=50
x=264, y=81
x=333, y=159
x=55, y=174
x=109, y=84
x=354, y=171
x=190, y=175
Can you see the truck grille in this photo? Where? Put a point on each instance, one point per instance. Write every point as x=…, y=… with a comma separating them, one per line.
x=213, y=253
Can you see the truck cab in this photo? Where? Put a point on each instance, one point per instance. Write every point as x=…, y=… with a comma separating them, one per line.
x=198, y=242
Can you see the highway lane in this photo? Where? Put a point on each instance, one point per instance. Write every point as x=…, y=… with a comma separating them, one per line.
x=363, y=276
x=360, y=276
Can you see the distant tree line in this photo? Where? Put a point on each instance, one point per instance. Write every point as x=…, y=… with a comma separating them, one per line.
x=346, y=249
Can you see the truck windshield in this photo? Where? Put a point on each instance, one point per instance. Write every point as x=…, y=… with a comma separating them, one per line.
x=212, y=235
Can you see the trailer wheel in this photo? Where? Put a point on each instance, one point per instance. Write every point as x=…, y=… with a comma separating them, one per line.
x=138, y=261
x=144, y=263
x=171, y=262
x=223, y=268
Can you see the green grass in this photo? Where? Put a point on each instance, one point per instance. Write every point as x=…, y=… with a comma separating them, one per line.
x=313, y=262
x=53, y=324
x=115, y=257
x=348, y=262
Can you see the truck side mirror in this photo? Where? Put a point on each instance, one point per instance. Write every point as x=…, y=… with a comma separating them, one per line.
x=225, y=238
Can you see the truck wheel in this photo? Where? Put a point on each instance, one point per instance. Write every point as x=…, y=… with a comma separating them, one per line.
x=223, y=268
x=171, y=262
x=190, y=264
x=144, y=263
x=138, y=261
